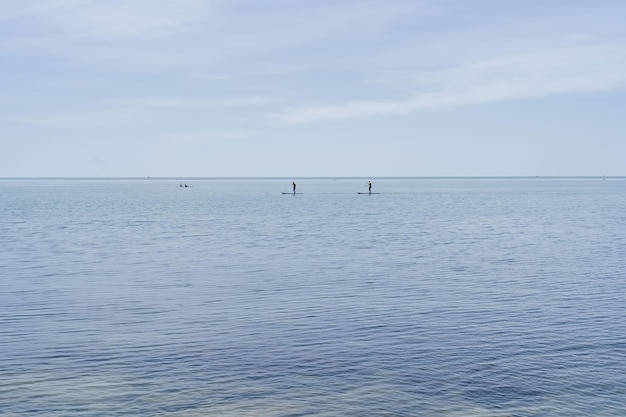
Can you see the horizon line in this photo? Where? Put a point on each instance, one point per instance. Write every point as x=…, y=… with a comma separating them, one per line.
x=393, y=177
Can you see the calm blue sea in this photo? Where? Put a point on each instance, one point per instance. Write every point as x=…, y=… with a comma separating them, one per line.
x=436, y=297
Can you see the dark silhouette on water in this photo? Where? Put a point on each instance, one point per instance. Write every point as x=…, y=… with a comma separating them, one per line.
x=369, y=189
x=294, y=186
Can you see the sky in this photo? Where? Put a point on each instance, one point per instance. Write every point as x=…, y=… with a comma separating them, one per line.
x=297, y=88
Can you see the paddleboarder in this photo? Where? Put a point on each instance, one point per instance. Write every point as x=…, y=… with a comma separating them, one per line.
x=294, y=186
x=369, y=187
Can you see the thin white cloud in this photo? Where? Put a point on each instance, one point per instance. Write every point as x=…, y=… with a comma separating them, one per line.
x=201, y=136
x=181, y=102
x=25, y=8
x=73, y=120
x=140, y=18
x=93, y=23
x=576, y=70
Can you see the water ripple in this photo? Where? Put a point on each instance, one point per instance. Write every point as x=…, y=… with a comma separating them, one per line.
x=441, y=297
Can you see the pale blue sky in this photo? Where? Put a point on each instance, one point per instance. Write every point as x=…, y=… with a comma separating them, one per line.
x=312, y=88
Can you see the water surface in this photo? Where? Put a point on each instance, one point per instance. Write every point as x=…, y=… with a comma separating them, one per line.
x=448, y=297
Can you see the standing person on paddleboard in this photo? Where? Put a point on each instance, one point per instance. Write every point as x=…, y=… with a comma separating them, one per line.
x=369, y=187
x=294, y=186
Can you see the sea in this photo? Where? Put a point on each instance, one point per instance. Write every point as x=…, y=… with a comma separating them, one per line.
x=461, y=297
